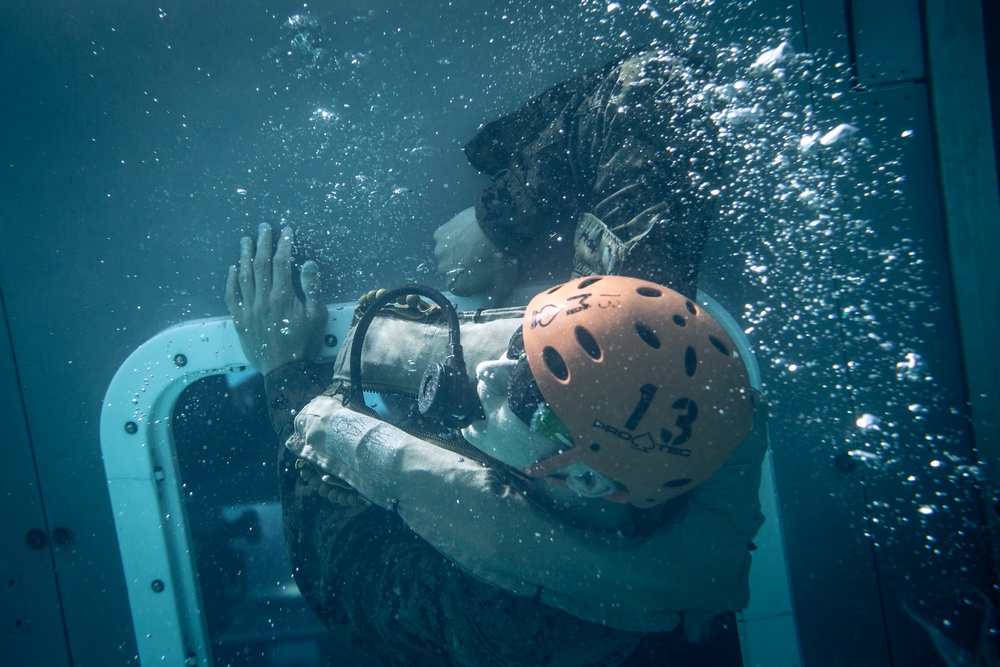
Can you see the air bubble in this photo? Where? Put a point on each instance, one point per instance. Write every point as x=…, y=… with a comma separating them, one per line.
x=867, y=421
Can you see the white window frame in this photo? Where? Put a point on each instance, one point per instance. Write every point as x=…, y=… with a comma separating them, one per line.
x=155, y=541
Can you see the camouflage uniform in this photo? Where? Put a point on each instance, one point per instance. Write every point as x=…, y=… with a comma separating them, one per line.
x=621, y=160
x=384, y=590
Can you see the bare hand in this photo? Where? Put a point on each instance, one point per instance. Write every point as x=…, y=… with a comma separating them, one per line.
x=275, y=327
x=469, y=262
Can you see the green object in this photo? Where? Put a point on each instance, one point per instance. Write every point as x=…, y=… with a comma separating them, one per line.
x=547, y=423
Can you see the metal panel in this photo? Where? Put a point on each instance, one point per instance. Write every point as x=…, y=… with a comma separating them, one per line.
x=769, y=633
x=921, y=490
x=874, y=461
x=921, y=496
x=965, y=148
x=888, y=41
x=31, y=624
x=768, y=626
x=908, y=396
x=825, y=27
x=834, y=572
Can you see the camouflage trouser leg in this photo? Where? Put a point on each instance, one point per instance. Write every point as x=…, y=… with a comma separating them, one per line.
x=625, y=160
x=384, y=590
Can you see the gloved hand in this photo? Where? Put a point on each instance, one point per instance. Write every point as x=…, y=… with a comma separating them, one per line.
x=469, y=262
x=274, y=327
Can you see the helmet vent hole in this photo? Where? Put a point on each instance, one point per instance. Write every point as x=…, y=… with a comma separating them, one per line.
x=718, y=345
x=680, y=321
x=677, y=483
x=693, y=309
x=555, y=363
x=594, y=447
x=648, y=291
x=647, y=335
x=588, y=343
x=690, y=362
x=587, y=282
x=554, y=289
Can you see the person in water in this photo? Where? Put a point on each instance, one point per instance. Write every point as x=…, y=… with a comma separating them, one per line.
x=562, y=510
x=613, y=173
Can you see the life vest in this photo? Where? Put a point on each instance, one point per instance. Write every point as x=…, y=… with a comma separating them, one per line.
x=694, y=563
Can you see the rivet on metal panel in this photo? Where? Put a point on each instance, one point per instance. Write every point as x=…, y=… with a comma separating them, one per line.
x=36, y=539
x=180, y=360
x=845, y=462
x=157, y=586
x=62, y=536
x=131, y=428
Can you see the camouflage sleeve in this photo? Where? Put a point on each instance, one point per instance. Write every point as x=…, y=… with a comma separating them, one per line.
x=535, y=190
x=656, y=160
x=624, y=164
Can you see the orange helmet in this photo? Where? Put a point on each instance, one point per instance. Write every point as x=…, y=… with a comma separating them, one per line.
x=649, y=385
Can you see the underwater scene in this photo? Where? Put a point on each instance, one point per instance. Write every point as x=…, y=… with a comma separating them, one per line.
x=497, y=332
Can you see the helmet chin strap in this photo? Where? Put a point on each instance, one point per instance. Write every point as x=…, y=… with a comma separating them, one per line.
x=565, y=458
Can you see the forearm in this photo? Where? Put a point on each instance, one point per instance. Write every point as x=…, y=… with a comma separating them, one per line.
x=288, y=389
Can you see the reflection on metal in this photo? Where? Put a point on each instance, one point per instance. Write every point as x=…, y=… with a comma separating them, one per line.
x=147, y=496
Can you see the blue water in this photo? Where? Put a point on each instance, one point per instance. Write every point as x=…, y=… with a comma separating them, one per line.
x=140, y=141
